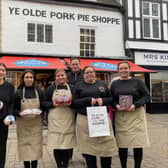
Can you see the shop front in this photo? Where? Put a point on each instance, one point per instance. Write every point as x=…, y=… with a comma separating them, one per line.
x=44, y=68
x=158, y=82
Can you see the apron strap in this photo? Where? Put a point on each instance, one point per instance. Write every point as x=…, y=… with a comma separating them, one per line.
x=36, y=93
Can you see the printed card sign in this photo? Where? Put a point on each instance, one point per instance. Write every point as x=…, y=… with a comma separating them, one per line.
x=125, y=101
x=98, y=122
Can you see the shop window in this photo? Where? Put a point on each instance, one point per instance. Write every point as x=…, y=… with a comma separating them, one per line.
x=151, y=20
x=87, y=42
x=39, y=33
x=14, y=77
x=159, y=87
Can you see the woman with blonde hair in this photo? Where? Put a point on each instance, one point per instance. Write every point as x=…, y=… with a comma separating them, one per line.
x=61, y=119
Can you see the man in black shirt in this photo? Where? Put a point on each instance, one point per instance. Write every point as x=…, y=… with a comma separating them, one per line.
x=76, y=74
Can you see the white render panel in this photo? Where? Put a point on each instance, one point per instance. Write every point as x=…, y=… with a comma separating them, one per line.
x=147, y=45
x=66, y=33
x=138, y=29
x=165, y=31
x=130, y=28
x=164, y=11
x=130, y=8
x=137, y=8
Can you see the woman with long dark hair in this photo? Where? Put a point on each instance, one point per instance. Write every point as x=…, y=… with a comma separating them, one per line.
x=6, y=109
x=28, y=107
x=129, y=96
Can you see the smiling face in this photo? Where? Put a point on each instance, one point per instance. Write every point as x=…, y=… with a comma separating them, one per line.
x=75, y=65
x=28, y=79
x=60, y=78
x=89, y=75
x=2, y=72
x=124, y=70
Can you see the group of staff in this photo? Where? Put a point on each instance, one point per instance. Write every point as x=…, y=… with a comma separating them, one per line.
x=66, y=102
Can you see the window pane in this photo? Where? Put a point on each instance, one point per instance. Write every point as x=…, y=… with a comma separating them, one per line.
x=92, y=46
x=92, y=32
x=81, y=38
x=31, y=32
x=92, y=53
x=87, y=32
x=159, y=83
x=48, y=34
x=81, y=31
x=146, y=8
x=40, y=33
x=87, y=53
x=155, y=24
x=82, y=46
x=92, y=39
x=146, y=28
x=87, y=46
x=81, y=53
x=31, y=28
x=87, y=39
x=155, y=9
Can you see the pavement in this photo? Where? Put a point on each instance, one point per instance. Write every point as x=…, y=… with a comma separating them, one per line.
x=156, y=156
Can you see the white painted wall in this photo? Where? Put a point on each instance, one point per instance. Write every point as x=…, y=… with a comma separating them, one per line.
x=130, y=7
x=130, y=28
x=109, y=37
x=146, y=45
x=137, y=10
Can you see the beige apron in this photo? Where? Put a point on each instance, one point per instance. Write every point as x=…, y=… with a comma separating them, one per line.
x=61, y=124
x=131, y=129
x=29, y=131
x=98, y=146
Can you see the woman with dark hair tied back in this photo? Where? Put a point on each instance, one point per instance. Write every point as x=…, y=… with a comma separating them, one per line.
x=61, y=119
x=129, y=96
x=6, y=112
x=88, y=93
x=28, y=108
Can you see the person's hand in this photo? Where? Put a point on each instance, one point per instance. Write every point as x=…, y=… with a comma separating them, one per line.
x=9, y=119
x=119, y=108
x=67, y=104
x=131, y=108
x=99, y=101
x=93, y=101
x=6, y=122
x=57, y=104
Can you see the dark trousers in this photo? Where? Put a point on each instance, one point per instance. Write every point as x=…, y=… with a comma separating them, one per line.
x=138, y=155
x=3, y=141
x=30, y=164
x=91, y=161
x=62, y=157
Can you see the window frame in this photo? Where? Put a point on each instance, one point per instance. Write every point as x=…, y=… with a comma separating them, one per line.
x=87, y=42
x=44, y=37
x=151, y=18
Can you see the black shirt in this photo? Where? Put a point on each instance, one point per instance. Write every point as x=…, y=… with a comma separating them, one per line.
x=74, y=77
x=134, y=87
x=29, y=93
x=6, y=99
x=84, y=92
